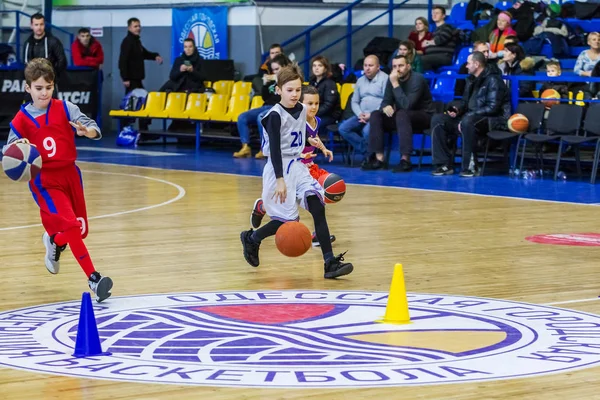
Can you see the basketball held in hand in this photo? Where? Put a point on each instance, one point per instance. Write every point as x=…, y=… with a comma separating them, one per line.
x=21, y=162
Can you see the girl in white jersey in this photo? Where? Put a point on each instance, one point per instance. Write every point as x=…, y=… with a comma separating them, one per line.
x=283, y=141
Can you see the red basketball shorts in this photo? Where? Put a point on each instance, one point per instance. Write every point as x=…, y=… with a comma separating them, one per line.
x=316, y=172
x=59, y=194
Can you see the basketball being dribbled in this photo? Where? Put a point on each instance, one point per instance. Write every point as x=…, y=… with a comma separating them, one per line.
x=518, y=123
x=21, y=162
x=550, y=94
x=293, y=239
x=334, y=186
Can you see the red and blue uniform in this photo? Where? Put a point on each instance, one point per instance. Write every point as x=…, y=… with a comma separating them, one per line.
x=58, y=188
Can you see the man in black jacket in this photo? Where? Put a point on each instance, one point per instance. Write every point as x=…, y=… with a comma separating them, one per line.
x=485, y=97
x=132, y=56
x=185, y=74
x=440, y=50
x=42, y=44
x=406, y=106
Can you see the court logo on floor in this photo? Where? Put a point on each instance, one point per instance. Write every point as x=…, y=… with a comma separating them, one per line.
x=303, y=339
x=567, y=239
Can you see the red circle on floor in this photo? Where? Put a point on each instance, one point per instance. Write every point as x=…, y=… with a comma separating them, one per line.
x=567, y=239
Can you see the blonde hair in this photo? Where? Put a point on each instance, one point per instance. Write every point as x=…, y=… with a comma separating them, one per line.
x=591, y=35
x=554, y=64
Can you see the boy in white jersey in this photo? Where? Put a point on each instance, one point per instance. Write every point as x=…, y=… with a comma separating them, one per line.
x=283, y=141
x=310, y=99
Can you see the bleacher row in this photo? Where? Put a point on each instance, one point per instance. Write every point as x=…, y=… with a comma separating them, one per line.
x=225, y=105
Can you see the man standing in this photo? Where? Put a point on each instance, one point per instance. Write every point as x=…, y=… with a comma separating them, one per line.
x=367, y=97
x=485, y=97
x=86, y=50
x=406, y=106
x=42, y=44
x=132, y=56
x=131, y=63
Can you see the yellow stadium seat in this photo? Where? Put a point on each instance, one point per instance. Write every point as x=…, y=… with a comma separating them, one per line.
x=223, y=87
x=347, y=89
x=237, y=105
x=118, y=113
x=536, y=93
x=339, y=87
x=195, y=107
x=175, y=105
x=579, y=96
x=207, y=84
x=241, y=88
x=257, y=102
x=216, y=108
x=155, y=103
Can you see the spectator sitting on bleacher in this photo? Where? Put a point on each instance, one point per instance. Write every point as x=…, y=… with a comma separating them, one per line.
x=498, y=35
x=330, y=109
x=86, y=50
x=592, y=91
x=483, y=48
x=553, y=70
x=588, y=58
x=485, y=98
x=253, y=117
x=367, y=97
x=185, y=74
x=514, y=63
x=552, y=30
x=406, y=107
x=419, y=35
x=259, y=79
x=407, y=48
x=439, y=51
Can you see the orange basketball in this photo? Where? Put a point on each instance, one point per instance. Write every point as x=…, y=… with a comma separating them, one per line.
x=518, y=123
x=293, y=239
x=550, y=94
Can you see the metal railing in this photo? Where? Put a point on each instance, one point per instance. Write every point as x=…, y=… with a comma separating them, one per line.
x=306, y=34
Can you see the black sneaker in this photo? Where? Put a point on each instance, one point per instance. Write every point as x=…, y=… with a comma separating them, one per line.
x=372, y=165
x=53, y=251
x=258, y=212
x=468, y=173
x=250, y=248
x=404, y=166
x=315, y=241
x=101, y=286
x=335, y=267
x=443, y=170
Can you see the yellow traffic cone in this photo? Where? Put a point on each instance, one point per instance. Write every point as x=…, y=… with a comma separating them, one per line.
x=396, y=311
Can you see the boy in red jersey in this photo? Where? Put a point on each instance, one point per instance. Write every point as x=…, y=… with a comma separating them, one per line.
x=310, y=99
x=50, y=125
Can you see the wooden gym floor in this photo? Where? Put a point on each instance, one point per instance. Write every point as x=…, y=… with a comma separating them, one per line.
x=166, y=231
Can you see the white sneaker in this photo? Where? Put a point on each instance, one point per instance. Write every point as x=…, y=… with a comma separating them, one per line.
x=101, y=286
x=52, y=254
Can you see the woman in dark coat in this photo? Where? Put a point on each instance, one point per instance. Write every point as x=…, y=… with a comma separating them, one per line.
x=185, y=75
x=329, y=97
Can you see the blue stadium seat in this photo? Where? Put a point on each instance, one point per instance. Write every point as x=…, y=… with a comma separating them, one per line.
x=458, y=14
x=567, y=63
x=575, y=51
x=443, y=88
x=503, y=5
x=459, y=60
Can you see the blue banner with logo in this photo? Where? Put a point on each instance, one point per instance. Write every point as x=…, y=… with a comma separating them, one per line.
x=207, y=26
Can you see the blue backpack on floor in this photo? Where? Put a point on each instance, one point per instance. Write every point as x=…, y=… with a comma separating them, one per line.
x=128, y=137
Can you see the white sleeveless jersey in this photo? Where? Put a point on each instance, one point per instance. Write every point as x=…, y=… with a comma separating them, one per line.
x=293, y=133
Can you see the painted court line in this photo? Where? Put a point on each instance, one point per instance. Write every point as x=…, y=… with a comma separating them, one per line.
x=130, y=151
x=181, y=193
x=362, y=184
x=572, y=301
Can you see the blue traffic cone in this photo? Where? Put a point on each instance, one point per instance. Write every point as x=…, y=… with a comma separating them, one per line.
x=88, y=340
